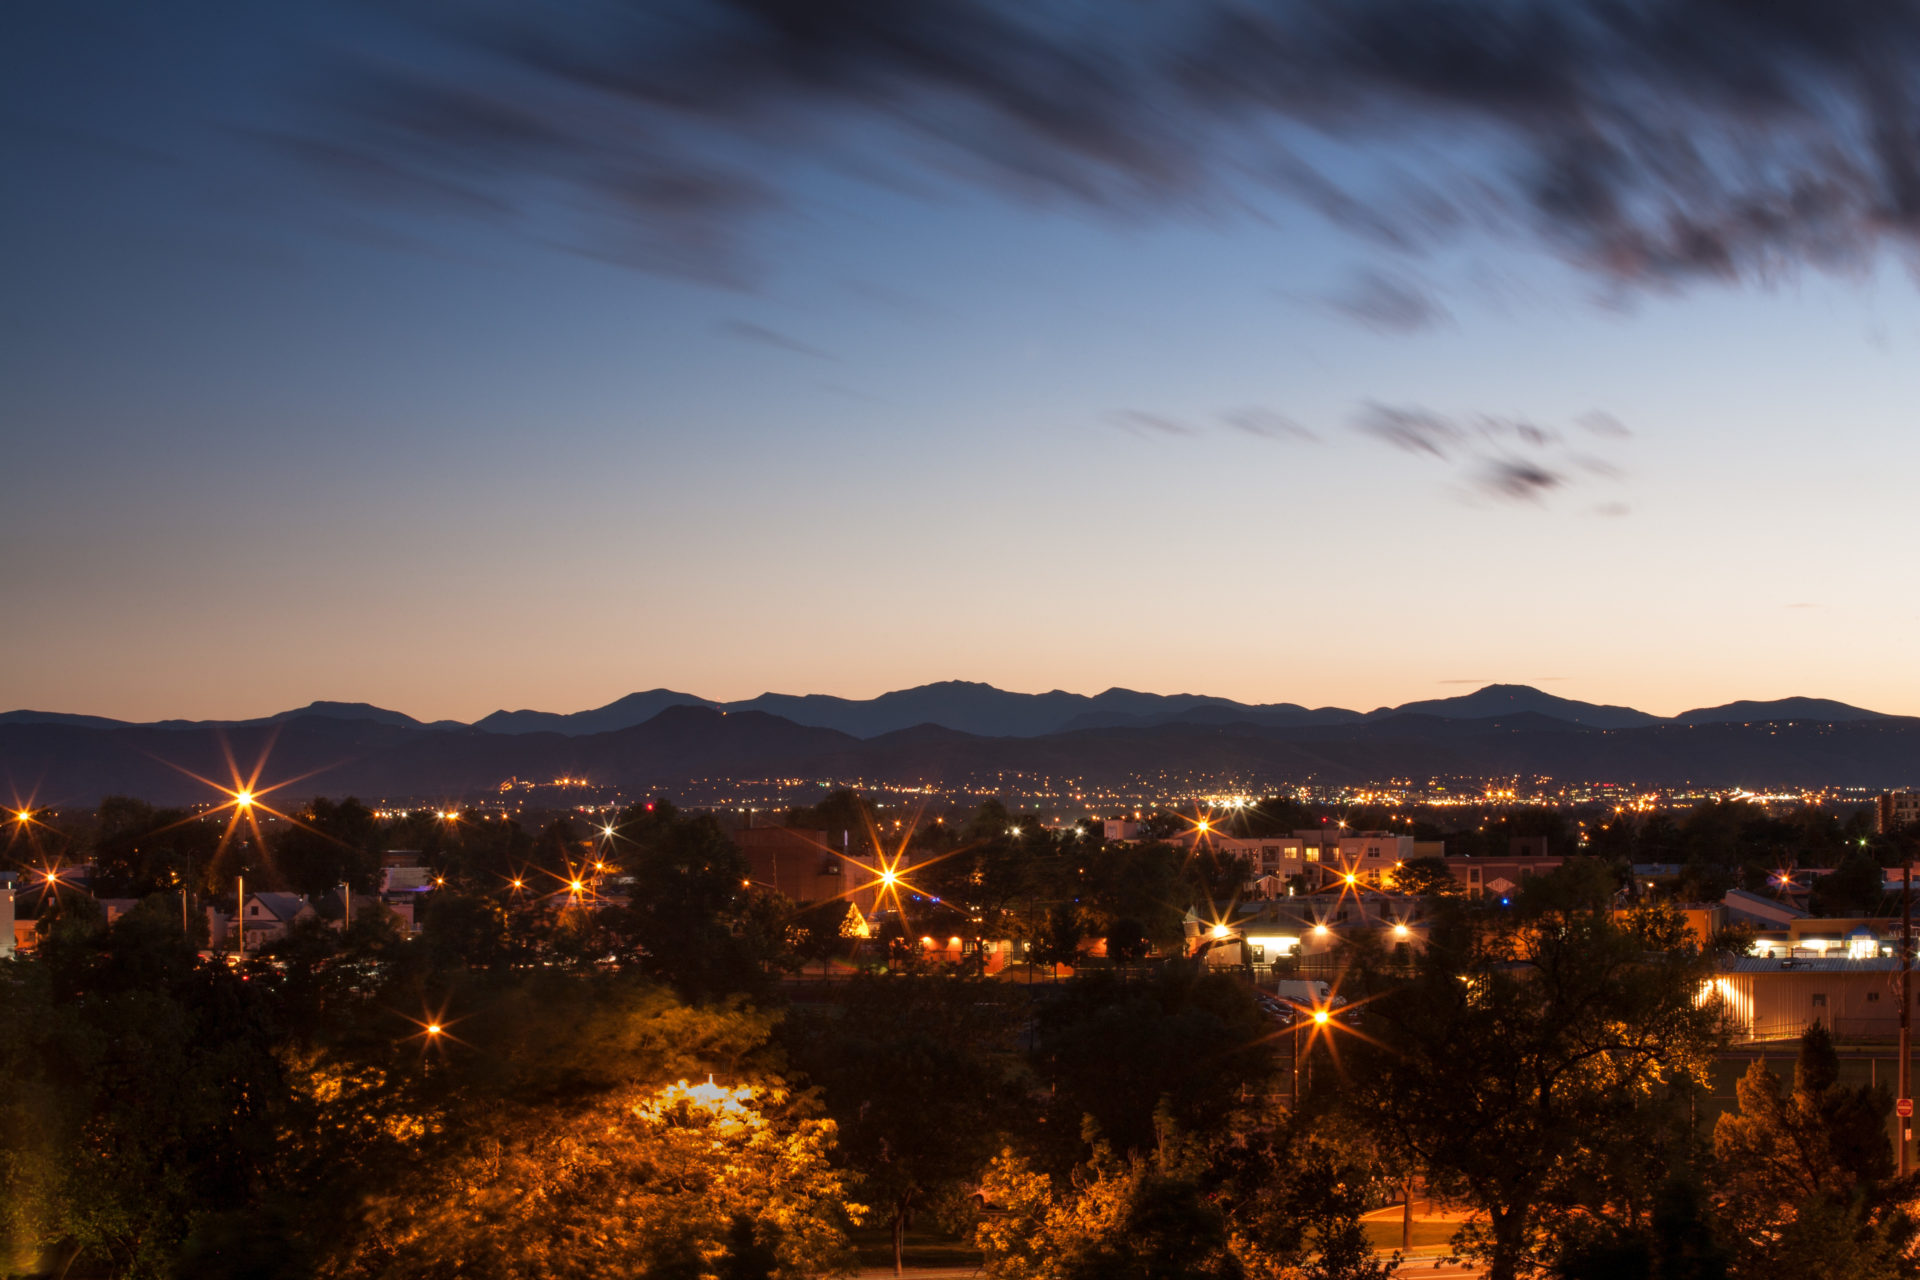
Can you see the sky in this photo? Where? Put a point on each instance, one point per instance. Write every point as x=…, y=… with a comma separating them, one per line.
x=376, y=354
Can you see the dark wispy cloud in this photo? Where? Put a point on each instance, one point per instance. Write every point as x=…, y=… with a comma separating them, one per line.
x=1650, y=141
x=1136, y=422
x=1388, y=303
x=748, y=331
x=1506, y=458
x=1414, y=430
x=1267, y=424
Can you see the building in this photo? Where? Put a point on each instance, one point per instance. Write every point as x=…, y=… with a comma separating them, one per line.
x=8, y=943
x=1262, y=934
x=802, y=864
x=404, y=871
x=1778, y=999
x=1498, y=877
x=268, y=916
x=1320, y=857
x=1895, y=809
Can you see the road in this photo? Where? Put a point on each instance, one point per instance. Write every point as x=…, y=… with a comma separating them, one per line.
x=1409, y=1269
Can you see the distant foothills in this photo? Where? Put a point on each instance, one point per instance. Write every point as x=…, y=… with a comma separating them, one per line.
x=961, y=734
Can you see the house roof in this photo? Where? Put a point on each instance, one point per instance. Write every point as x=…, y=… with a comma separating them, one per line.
x=282, y=906
x=1754, y=904
x=1808, y=964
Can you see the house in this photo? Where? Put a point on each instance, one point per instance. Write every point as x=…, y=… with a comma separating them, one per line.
x=8, y=922
x=1263, y=933
x=268, y=916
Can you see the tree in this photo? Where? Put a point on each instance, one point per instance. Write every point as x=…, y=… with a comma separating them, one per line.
x=329, y=845
x=1059, y=941
x=1518, y=1069
x=1805, y=1178
x=580, y=1127
x=140, y=1089
x=1425, y=877
x=1294, y=1193
x=920, y=1073
x=690, y=905
x=1141, y=1217
x=1854, y=888
x=1187, y=1041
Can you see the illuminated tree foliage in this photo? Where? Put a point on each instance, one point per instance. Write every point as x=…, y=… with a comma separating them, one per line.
x=923, y=1076
x=1141, y=1217
x=1805, y=1178
x=1271, y=1202
x=676, y=1180
x=556, y=1136
x=1521, y=1070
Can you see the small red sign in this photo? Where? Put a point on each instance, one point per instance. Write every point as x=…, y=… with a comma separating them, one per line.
x=1904, y=1107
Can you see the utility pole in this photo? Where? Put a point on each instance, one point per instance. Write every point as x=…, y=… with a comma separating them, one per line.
x=240, y=910
x=1905, y=1104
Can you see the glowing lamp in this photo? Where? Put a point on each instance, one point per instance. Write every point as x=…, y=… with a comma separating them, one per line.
x=243, y=799
x=433, y=1028
x=1320, y=1016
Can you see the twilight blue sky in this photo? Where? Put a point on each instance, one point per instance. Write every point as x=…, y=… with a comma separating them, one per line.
x=301, y=398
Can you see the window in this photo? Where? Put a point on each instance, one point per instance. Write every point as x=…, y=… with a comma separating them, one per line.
x=1819, y=1000
x=1873, y=997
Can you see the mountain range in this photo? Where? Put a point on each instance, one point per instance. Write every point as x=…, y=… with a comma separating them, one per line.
x=958, y=734
x=983, y=710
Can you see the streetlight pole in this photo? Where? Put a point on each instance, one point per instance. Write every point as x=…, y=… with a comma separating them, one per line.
x=1293, y=1099
x=1906, y=1003
x=240, y=910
